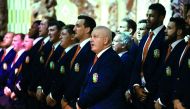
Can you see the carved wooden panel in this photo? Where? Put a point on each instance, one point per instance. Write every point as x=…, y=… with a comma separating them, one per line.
x=3, y=17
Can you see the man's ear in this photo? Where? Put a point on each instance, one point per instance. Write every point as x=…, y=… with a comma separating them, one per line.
x=161, y=18
x=87, y=30
x=130, y=30
x=106, y=40
x=179, y=32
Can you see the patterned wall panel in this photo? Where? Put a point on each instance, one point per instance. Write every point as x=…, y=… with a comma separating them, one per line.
x=19, y=12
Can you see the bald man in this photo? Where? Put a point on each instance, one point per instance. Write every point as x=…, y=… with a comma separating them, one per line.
x=101, y=89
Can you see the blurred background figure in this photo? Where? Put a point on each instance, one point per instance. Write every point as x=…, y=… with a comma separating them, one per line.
x=28, y=43
x=43, y=8
x=141, y=29
x=127, y=25
x=34, y=29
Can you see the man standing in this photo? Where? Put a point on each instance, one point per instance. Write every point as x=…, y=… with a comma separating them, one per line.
x=102, y=88
x=150, y=56
x=181, y=94
x=175, y=33
x=121, y=44
x=7, y=57
x=14, y=72
x=81, y=60
x=48, y=78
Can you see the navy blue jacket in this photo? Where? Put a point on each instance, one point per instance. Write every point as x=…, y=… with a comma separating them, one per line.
x=102, y=88
x=29, y=68
x=39, y=67
x=4, y=74
x=182, y=81
x=78, y=72
x=127, y=66
x=14, y=72
x=58, y=88
x=155, y=57
x=169, y=69
x=50, y=77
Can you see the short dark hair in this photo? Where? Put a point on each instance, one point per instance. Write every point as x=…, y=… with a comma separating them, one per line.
x=21, y=35
x=37, y=22
x=49, y=19
x=113, y=34
x=58, y=24
x=131, y=24
x=180, y=23
x=88, y=22
x=159, y=8
x=69, y=28
x=61, y=23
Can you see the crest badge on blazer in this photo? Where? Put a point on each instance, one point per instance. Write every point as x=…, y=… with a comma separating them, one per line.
x=4, y=66
x=77, y=67
x=41, y=59
x=27, y=60
x=168, y=71
x=95, y=78
x=16, y=71
x=62, y=69
x=156, y=53
x=51, y=65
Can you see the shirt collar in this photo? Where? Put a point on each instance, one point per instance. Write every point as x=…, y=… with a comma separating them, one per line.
x=157, y=30
x=36, y=40
x=46, y=39
x=120, y=54
x=9, y=49
x=69, y=47
x=19, y=53
x=84, y=42
x=175, y=43
x=99, y=54
x=56, y=45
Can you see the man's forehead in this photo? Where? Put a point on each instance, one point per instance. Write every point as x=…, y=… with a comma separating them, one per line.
x=80, y=21
x=9, y=34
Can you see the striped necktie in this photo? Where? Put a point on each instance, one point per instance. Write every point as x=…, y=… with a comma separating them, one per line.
x=168, y=52
x=146, y=46
x=50, y=54
x=145, y=51
x=62, y=55
x=4, y=54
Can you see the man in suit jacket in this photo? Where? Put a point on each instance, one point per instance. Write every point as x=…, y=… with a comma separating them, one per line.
x=102, y=87
x=121, y=44
x=22, y=59
x=50, y=77
x=41, y=47
x=129, y=26
x=43, y=53
x=181, y=96
x=14, y=72
x=6, y=43
x=29, y=67
x=150, y=56
x=6, y=57
x=175, y=33
x=61, y=66
x=81, y=59
x=54, y=53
